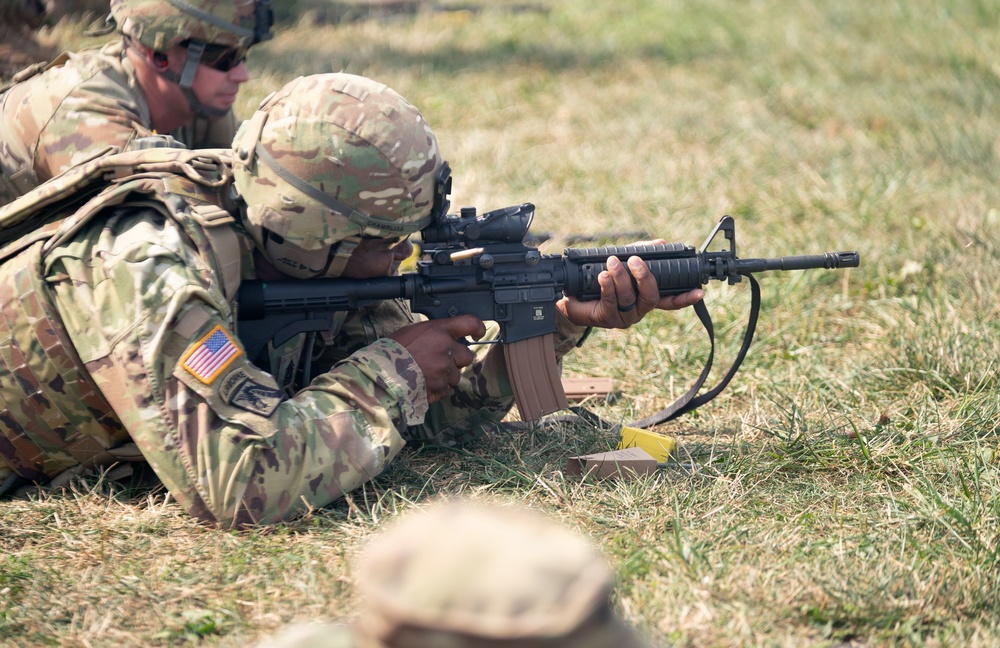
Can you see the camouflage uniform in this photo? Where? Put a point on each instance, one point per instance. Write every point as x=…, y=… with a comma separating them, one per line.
x=91, y=103
x=464, y=575
x=117, y=327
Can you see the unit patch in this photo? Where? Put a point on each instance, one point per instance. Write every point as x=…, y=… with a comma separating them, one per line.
x=239, y=389
x=207, y=359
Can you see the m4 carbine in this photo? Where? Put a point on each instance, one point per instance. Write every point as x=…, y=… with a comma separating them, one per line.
x=481, y=265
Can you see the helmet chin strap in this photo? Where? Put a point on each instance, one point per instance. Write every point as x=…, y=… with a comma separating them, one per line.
x=186, y=82
x=340, y=255
x=297, y=262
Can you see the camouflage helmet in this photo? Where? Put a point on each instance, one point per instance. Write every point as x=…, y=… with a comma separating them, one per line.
x=329, y=159
x=468, y=575
x=163, y=24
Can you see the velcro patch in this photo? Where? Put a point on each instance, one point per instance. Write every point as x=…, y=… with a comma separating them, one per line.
x=210, y=356
x=239, y=389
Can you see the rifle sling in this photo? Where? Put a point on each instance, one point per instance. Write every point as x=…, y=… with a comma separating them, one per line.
x=691, y=399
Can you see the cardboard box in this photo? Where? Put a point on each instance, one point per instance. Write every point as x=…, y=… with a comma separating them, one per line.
x=625, y=463
x=578, y=389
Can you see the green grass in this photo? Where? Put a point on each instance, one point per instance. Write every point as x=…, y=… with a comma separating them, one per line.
x=842, y=491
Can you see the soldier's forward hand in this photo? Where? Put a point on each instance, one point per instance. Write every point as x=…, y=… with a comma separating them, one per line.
x=436, y=348
x=620, y=306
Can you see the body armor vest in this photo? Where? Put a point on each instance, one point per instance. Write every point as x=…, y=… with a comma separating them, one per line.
x=52, y=417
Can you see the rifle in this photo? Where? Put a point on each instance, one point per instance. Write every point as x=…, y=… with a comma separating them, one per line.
x=479, y=264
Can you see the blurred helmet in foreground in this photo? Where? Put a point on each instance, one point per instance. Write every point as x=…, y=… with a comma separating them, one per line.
x=470, y=576
x=477, y=576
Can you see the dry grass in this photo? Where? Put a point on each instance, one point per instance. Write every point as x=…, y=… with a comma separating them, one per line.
x=841, y=492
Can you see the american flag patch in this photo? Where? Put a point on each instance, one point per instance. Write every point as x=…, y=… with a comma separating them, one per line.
x=211, y=355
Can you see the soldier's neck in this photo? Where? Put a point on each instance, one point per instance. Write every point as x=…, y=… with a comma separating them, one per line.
x=168, y=108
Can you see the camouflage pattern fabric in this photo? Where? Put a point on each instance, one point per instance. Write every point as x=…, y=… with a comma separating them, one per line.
x=161, y=25
x=40, y=437
x=464, y=575
x=138, y=295
x=71, y=112
x=52, y=417
x=476, y=405
x=390, y=151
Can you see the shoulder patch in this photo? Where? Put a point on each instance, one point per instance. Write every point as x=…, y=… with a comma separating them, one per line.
x=239, y=389
x=210, y=356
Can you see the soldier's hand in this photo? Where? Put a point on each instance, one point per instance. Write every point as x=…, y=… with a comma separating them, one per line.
x=435, y=347
x=620, y=306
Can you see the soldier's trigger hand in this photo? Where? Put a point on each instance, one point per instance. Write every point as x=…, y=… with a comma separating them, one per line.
x=437, y=348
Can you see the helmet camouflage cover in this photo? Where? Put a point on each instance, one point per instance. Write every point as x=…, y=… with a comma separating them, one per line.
x=463, y=574
x=467, y=575
x=328, y=159
x=163, y=24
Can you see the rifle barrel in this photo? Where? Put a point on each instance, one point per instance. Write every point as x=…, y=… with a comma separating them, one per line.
x=828, y=260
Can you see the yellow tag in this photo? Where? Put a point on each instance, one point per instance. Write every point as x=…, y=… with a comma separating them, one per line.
x=409, y=264
x=658, y=446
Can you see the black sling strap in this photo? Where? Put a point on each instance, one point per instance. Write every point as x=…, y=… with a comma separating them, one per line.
x=691, y=399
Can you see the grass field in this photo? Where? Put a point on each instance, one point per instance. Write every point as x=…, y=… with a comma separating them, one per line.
x=842, y=492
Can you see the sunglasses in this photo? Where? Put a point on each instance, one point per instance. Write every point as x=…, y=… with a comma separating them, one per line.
x=221, y=57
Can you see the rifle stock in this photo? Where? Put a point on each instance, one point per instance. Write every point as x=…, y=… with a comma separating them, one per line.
x=480, y=265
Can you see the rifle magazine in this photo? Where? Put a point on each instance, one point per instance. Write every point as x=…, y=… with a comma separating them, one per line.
x=534, y=376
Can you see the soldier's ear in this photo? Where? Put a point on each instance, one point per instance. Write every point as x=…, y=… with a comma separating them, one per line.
x=160, y=60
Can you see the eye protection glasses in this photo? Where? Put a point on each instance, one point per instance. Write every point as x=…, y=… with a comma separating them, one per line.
x=221, y=57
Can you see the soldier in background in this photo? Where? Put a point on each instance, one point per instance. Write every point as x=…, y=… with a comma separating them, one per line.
x=463, y=575
x=176, y=70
